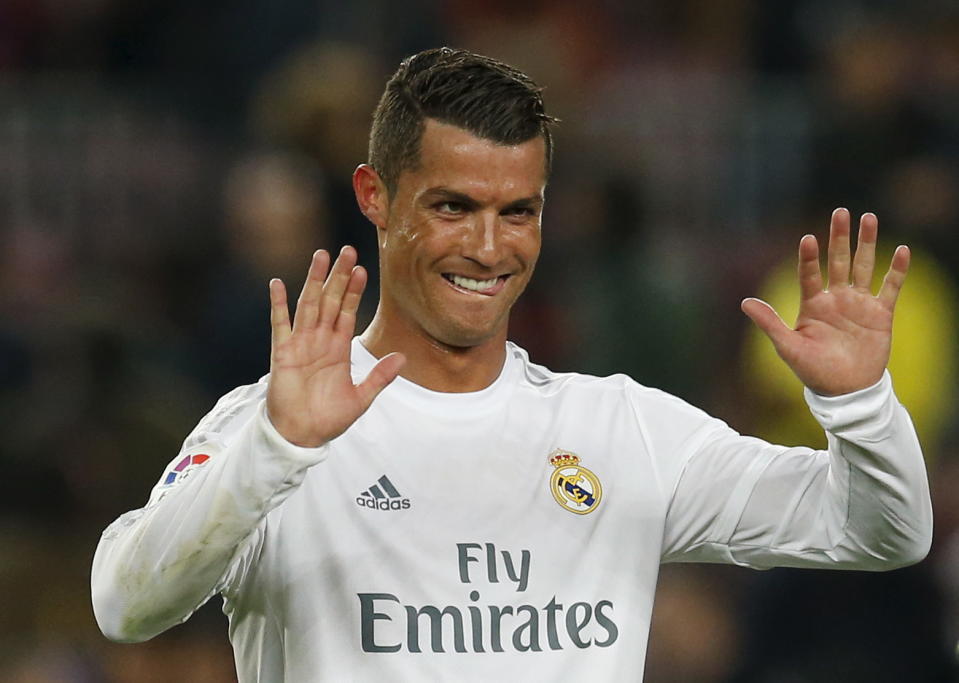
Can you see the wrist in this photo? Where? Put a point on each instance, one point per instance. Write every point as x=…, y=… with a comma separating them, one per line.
x=839, y=388
x=293, y=434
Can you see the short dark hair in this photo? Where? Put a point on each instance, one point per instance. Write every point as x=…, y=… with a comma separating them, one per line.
x=489, y=99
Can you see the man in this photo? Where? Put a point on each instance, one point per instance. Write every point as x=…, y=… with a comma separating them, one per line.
x=460, y=513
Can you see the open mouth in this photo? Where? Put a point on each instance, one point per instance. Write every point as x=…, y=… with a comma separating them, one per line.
x=473, y=286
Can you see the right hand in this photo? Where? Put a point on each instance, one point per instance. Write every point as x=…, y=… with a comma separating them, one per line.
x=311, y=398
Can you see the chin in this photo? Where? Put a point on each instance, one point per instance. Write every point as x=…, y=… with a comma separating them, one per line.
x=465, y=337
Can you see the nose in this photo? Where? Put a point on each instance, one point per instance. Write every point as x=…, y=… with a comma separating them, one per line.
x=484, y=243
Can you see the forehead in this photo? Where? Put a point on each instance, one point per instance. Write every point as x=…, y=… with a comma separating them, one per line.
x=455, y=158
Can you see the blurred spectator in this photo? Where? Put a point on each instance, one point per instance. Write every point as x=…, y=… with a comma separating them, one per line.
x=275, y=216
x=944, y=559
x=853, y=627
x=319, y=102
x=695, y=629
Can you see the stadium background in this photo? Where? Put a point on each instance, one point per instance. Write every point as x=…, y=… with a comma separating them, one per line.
x=159, y=161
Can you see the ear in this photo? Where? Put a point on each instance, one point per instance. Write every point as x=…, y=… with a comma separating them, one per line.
x=371, y=195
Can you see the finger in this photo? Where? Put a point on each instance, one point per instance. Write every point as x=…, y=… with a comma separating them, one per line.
x=895, y=277
x=838, y=257
x=279, y=313
x=810, y=275
x=335, y=286
x=865, y=259
x=346, y=320
x=768, y=321
x=380, y=376
x=308, y=305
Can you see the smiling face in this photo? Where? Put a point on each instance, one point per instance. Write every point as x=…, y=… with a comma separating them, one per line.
x=460, y=236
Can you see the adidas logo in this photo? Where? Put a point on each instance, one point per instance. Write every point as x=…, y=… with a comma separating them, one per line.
x=383, y=496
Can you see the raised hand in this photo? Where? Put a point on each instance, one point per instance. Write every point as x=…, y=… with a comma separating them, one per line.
x=311, y=397
x=843, y=334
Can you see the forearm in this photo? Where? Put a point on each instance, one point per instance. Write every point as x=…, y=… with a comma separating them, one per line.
x=889, y=511
x=153, y=567
x=864, y=504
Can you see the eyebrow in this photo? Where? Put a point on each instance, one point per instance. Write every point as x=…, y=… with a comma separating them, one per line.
x=533, y=202
x=445, y=194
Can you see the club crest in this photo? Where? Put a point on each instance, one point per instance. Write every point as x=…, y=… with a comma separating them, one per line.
x=573, y=486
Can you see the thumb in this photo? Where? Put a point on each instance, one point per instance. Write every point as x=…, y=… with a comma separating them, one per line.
x=767, y=320
x=384, y=372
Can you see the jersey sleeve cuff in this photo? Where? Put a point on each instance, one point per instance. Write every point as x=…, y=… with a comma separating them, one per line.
x=274, y=442
x=873, y=405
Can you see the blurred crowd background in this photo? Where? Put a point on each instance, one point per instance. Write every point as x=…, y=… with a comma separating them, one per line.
x=161, y=160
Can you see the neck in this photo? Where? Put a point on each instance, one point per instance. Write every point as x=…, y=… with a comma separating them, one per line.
x=435, y=365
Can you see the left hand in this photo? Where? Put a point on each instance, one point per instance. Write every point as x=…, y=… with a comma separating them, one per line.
x=843, y=334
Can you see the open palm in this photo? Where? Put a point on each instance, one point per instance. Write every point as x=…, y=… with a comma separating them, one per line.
x=842, y=337
x=311, y=397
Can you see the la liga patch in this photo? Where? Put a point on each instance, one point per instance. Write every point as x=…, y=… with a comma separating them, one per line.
x=185, y=464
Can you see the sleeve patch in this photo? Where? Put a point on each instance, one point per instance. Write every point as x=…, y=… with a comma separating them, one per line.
x=185, y=464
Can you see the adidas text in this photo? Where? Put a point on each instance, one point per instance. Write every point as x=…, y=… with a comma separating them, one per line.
x=384, y=504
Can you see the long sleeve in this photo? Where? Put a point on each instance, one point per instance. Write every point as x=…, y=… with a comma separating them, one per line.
x=862, y=504
x=202, y=525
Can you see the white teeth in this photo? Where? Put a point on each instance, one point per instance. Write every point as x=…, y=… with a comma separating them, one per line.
x=471, y=284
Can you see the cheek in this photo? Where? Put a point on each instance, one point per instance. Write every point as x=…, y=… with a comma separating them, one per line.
x=410, y=248
x=400, y=244
x=527, y=241
x=399, y=234
x=430, y=241
x=536, y=240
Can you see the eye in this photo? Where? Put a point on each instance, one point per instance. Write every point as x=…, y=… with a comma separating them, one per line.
x=450, y=208
x=520, y=212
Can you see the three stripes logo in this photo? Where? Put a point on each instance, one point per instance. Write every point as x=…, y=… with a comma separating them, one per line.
x=383, y=496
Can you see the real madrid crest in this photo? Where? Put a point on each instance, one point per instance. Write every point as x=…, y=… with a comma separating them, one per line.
x=574, y=487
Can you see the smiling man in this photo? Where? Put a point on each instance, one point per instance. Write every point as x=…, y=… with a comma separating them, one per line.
x=422, y=502
x=459, y=237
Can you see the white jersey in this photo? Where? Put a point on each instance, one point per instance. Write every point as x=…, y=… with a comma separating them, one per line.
x=515, y=532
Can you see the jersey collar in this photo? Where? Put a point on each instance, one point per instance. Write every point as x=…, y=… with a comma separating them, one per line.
x=462, y=404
